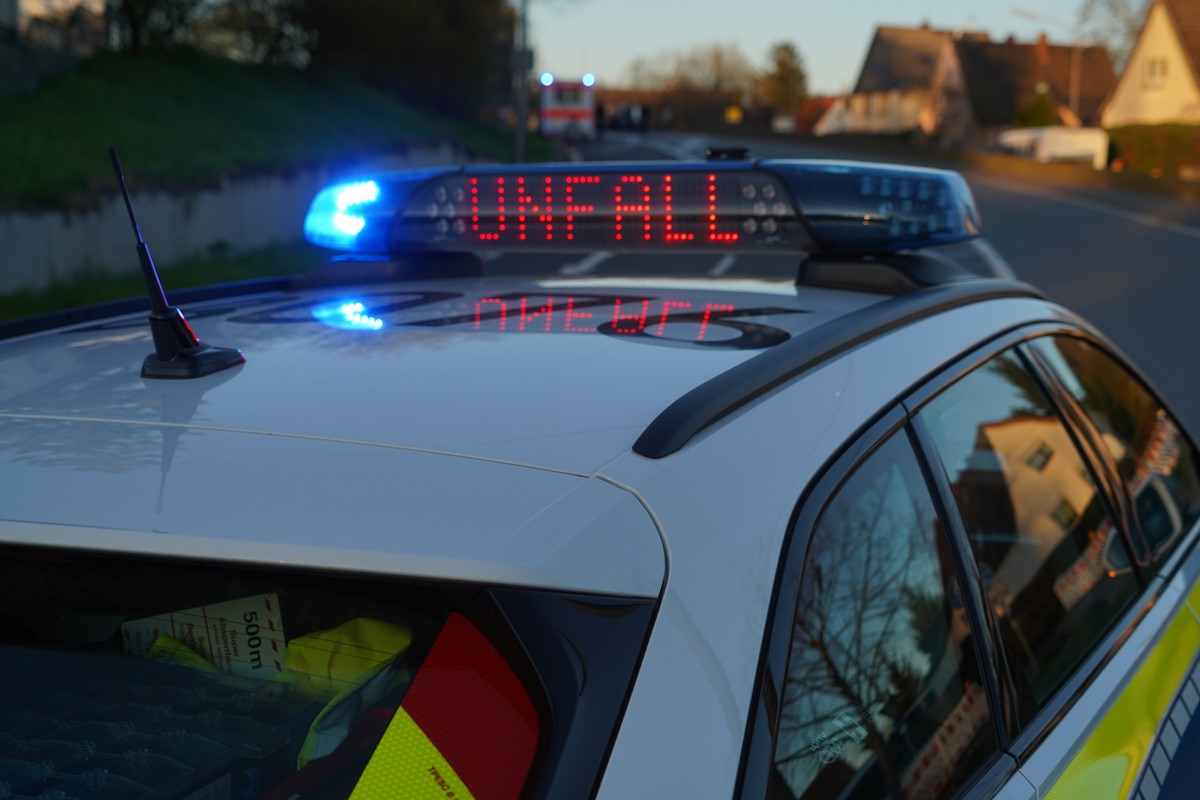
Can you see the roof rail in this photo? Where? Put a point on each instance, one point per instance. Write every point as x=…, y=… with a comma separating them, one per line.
x=723, y=394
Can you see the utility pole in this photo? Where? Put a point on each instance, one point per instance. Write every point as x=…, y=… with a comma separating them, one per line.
x=522, y=63
x=1076, y=52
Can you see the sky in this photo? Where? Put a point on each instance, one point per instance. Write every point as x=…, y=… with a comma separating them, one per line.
x=571, y=37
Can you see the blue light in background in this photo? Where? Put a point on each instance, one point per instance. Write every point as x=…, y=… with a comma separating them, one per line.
x=347, y=315
x=547, y=79
x=589, y=79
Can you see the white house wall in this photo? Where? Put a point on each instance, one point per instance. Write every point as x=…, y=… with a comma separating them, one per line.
x=15, y=14
x=879, y=112
x=1141, y=100
x=948, y=115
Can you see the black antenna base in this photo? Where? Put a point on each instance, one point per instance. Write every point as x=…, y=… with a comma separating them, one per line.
x=179, y=354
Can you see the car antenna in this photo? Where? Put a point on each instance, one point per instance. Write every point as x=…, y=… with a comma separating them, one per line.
x=177, y=351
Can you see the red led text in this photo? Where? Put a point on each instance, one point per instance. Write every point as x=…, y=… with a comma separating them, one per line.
x=613, y=207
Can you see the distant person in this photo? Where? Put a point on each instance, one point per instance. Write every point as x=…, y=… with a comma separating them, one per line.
x=644, y=121
x=599, y=121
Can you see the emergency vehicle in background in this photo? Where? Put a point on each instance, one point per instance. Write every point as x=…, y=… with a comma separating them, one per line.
x=568, y=108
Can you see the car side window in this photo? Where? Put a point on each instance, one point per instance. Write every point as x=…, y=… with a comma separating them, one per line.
x=1051, y=559
x=882, y=695
x=1153, y=456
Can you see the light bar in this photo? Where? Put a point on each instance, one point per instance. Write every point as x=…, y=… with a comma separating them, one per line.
x=858, y=209
x=840, y=208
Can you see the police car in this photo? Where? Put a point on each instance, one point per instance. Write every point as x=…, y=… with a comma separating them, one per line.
x=440, y=522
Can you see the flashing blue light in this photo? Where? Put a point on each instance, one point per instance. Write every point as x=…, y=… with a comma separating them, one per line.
x=355, y=216
x=589, y=79
x=547, y=79
x=336, y=217
x=349, y=316
x=356, y=194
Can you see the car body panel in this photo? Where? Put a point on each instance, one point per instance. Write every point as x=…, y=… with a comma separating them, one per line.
x=199, y=492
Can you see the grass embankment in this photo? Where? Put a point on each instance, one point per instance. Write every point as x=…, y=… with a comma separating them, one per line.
x=183, y=120
x=89, y=288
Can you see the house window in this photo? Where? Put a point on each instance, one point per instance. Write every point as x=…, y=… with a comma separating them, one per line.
x=1064, y=514
x=1156, y=73
x=1038, y=458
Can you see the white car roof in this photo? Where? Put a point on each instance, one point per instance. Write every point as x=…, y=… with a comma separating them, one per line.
x=434, y=450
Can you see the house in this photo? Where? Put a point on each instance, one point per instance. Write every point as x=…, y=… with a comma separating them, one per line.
x=981, y=88
x=811, y=112
x=1161, y=80
x=16, y=16
x=78, y=30
x=894, y=85
x=40, y=38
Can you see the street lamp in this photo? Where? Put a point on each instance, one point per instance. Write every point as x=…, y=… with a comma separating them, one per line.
x=1076, y=52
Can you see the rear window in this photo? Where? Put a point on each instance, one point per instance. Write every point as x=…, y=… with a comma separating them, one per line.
x=146, y=679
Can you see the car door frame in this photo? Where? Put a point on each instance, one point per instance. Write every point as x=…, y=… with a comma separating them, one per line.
x=1032, y=757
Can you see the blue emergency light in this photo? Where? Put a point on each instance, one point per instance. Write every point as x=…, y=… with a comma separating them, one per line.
x=836, y=208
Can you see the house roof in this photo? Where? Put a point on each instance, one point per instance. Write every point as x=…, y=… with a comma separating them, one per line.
x=904, y=58
x=1185, y=16
x=811, y=111
x=1002, y=77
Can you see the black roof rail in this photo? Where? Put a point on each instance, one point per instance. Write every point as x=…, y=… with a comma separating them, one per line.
x=723, y=394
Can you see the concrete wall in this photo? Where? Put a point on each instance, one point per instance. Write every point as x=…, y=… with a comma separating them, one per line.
x=22, y=68
x=243, y=214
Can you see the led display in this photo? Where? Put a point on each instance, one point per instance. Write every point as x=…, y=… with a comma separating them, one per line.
x=605, y=209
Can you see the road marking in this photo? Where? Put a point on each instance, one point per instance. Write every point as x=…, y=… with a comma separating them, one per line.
x=585, y=266
x=1094, y=205
x=723, y=265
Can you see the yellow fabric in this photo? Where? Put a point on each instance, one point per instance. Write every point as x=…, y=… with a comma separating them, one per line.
x=349, y=666
x=407, y=764
x=327, y=663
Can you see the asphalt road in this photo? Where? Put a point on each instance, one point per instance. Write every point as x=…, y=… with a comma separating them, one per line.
x=1127, y=262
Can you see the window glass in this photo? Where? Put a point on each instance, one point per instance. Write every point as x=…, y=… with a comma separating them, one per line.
x=1153, y=455
x=1052, y=561
x=126, y=678
x=883, y=694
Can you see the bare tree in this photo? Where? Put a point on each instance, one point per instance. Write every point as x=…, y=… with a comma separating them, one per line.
x=1114, y=23
x=143, y=24
x=254, y=31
